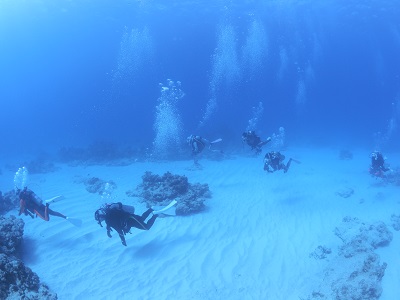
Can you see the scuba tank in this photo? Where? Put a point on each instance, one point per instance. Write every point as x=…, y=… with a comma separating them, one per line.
x=29, y=195
x=35, y=198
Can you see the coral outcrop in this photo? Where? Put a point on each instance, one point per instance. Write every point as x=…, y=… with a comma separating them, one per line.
x=160, y=190
x=355, y=271
x=12, y=230
x=16, y=280
x=99, y=186
x=8, y=201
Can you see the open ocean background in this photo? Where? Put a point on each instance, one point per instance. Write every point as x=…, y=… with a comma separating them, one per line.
x=77, y=73
x=95, y=94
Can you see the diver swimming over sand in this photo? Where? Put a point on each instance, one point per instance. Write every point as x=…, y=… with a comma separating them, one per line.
x=273, y=161
x=378, y=166
x=254, y=141
x=122, y=218
x=198, y=143
x=30, y=204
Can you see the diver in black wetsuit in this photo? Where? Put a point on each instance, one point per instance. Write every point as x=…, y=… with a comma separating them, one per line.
x=197, y=144
x=273, y=161
x=122, y=218
x=378, y=167
x=254, y=141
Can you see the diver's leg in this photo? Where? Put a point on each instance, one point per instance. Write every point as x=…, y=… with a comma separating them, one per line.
x=54, y=213
x=146, y=213
x=151, y=222
x=46, y=213
x=137, y=222
x=287, y=166
x=42, y=212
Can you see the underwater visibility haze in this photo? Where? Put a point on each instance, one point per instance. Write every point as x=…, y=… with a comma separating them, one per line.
x=107, y=101
x=74, y=73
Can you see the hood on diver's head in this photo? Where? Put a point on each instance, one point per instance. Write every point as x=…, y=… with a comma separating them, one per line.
x=99, y=216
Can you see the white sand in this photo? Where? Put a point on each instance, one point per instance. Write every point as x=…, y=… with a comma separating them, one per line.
x=253, y=242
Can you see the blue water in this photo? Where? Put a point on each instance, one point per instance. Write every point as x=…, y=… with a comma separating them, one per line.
x=326, y=71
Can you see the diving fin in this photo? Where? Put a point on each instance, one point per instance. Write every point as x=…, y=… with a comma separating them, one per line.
x=166, y=210
x=54, y=199
x=75, y=221
x=216, y=141
x=260, y=144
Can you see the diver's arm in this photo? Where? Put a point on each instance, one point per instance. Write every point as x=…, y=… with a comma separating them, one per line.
x=120, y=233
x=121, y=236
x=266, y=168
x=109, y=231
x=22, y=208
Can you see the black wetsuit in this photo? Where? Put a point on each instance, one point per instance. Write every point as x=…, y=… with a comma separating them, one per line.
x=273, y=161
x=197, y=144
x=122, y=221
x=253, y=140
x=378, y=165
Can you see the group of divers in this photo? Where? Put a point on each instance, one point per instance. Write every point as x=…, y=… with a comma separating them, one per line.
x=122, y=218
x=273, y=160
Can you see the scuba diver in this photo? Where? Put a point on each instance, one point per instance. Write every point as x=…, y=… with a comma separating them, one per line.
x=254, y=141
x=30, y=204
x=122, y=218
x=273, y=161
x=198, y=143
x=378, y=167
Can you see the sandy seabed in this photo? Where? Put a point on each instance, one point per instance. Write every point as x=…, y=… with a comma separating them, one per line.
x=253, y=241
